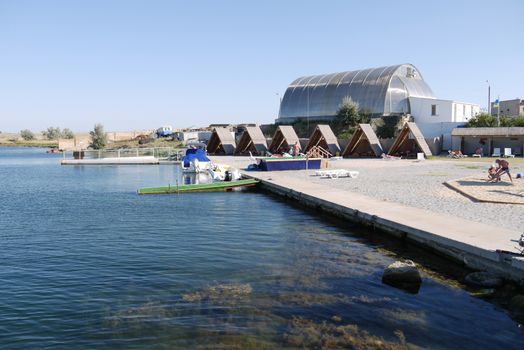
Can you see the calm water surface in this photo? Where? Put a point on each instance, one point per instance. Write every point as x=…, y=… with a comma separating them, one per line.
x=86, y=263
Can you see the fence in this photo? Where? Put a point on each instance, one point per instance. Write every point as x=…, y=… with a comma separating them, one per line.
x=164, y=153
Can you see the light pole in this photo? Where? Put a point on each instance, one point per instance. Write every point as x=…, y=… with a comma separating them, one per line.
x=279, y=104
x=489, y=97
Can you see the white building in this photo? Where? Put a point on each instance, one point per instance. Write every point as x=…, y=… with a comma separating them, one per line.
x=437, y=118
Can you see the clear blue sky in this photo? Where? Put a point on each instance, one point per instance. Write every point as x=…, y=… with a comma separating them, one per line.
x=142, y=64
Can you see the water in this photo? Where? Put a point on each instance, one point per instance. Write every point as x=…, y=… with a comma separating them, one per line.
x=86, y=263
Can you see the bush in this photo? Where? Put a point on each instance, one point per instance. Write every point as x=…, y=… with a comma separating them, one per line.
x=518, y=121
x=482, y=120
x=67, y=134
x=98, y=137
x=27, y=135
x=52, y=133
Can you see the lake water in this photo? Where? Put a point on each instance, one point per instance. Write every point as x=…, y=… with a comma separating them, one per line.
x=86, y=263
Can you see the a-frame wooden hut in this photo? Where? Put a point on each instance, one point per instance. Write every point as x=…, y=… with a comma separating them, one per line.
x=284, y=138
x=252, y=140
x=221, y=142
x=408, y=147
x=363, y=143
x=323, y=137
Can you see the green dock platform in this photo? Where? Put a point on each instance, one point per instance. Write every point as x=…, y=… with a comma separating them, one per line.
x=223, y=186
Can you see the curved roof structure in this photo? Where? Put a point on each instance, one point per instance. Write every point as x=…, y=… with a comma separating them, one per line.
x=378, y=91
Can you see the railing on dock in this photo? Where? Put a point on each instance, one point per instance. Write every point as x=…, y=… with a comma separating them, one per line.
x=318, y=152
x=162, y=153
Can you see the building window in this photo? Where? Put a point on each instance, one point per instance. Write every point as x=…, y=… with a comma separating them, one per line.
x=433, y=110
x=464, y=110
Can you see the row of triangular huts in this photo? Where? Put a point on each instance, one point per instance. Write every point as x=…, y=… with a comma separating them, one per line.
x=363, y=143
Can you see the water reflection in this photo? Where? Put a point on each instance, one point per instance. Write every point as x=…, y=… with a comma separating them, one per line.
x=194, y=178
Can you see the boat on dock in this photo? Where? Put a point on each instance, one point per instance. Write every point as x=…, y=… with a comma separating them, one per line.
x=223, y=186
x=195, y=161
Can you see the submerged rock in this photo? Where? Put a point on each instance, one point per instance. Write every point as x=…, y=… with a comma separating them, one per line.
x=404, y=275
x=516, y=306
x=307, y=334
x=220, y=292
x=483, y=279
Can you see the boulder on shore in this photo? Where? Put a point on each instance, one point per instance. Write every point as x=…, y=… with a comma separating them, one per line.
x=404, y=275
x=483, y=279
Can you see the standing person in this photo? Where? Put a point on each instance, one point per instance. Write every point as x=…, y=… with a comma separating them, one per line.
x=296, y=149
x=502, y=168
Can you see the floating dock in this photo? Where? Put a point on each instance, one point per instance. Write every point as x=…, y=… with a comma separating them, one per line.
x=223, y=186
x=145, y=160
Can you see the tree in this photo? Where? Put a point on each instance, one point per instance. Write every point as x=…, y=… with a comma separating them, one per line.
x=67, y=134
x=98, y=137
x=348, y=117
x=518, y=121
x=388, y=127
x=27, y=135
x=348, y=112
x=52, y=133
x=482, y=120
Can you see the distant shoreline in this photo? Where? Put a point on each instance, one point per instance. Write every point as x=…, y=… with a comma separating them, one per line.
x=36, y=144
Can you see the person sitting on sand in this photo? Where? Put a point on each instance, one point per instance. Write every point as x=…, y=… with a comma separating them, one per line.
x=502, y=168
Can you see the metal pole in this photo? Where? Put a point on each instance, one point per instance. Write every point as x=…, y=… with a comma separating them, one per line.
x=489, y=97
x=279, y=104
x=498, y=110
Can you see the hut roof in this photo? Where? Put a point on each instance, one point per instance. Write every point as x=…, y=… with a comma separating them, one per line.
x=404, y=135
x=285, y=134
x=221, y=141
x=364, y=136
x=252, y=140
x=324, y=137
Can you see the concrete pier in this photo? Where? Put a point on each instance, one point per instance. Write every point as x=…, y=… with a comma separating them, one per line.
x=472, y=243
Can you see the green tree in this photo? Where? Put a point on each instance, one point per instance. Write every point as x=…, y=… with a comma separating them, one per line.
x=387, y=127
x=27, y=135
x=52, y=133
x=348, y=117
x=67, y=134
x=517, y=121
x=482, y=120
x=98, y=137
x=506, y=121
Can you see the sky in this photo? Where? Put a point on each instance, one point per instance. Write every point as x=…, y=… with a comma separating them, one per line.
x=142, y=64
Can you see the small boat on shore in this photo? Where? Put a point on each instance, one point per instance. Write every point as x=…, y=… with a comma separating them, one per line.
x=221, y=172
x=224, y=186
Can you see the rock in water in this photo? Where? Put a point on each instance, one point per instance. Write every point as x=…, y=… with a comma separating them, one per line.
x=404, y=275
x=483, y=279
x=516, y=307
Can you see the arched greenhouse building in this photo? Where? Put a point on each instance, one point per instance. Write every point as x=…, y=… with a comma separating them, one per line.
x=378, y=91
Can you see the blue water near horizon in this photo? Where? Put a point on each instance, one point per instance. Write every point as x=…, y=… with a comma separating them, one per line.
x=86, y=263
